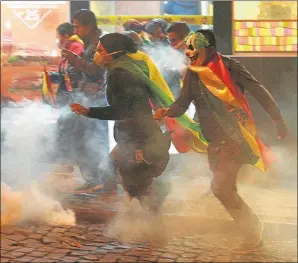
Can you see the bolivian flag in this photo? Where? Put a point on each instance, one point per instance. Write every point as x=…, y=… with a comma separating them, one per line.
x=222, y=93
x=186, y=134
x=47, y=91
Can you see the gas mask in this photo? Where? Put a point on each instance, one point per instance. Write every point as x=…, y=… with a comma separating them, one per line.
x=196, y=45
x=102, y=59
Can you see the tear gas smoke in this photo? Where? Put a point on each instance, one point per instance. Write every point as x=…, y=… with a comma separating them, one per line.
x=32, y=205
x=165, y=57
x=28, y=138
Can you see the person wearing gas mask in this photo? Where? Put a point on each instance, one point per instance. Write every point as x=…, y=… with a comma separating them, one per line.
x=141, y=154
x=216, y=84
x=91, y=92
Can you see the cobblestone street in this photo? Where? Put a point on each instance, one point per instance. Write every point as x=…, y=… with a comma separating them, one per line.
x=195, y=233
x=83, y=243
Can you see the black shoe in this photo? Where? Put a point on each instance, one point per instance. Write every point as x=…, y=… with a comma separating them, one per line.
x=89, y=188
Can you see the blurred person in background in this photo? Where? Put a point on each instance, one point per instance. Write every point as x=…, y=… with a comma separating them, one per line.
x=135, y=26
x=177, y=32
x=91, y=143
x=157, y=30
x=137, y=39
x=216, y=84
x=67, y=76
x=141, y=154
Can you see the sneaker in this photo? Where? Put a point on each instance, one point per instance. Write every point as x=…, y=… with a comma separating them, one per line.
x=88, y=188
x=248, y=247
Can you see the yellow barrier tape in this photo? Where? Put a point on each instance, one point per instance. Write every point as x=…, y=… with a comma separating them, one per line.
x=120, y=20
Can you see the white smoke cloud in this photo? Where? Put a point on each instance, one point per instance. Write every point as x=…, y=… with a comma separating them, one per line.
x=28, y=137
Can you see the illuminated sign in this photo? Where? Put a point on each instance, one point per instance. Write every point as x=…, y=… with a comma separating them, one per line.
x=32, y=13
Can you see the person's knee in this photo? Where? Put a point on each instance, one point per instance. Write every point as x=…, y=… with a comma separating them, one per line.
x=220, y=190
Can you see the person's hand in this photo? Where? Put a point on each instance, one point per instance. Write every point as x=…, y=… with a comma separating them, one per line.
x=69, y=55
x=282, y=129
x=160, y=113
x=79, y=109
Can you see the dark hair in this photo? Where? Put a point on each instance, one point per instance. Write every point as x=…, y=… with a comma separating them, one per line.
x=180, y=28
x=86, y=18
x=65, y=29
x=154, y=23
x=133, y=25
x=209, y=35
x=114, y=42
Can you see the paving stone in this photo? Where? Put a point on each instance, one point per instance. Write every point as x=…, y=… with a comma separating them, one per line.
x=16, y=254
x=226, y=258
x=167, y=255
x=43, y=260
x=7, y=230
x=24, y=249
x=107, y=260
x=35, y=245
x=68, y=259
x=89, y=248
x=62, y=251
x=95, y=244
x=186, y=260
x=204, y=259
x=7, y=255
x=189, y=255
x=16, y=237
x=242, y=259
x=79, y=253
x=36, y=236
x=47, y=249
x=148, y=258
x=4, y=260
x=91, y=257
x=55, y=256
x=53, y=235
x=165, y=260
x=134, y=253
x=59, y=230
x=38, y=254
x=128, y=259
x=70, y=234
x=47, y=240
x=5, y=242
x=25, y=259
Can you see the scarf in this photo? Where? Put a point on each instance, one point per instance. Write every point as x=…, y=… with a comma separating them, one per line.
x=232, y=110
x=141, y=66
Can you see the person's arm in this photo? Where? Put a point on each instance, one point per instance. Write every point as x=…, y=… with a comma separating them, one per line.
x=181, y=105
x=243, y=77
x=74, y=74
x=127, y=98
x=87, y=67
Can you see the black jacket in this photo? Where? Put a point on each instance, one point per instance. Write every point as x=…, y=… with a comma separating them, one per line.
x=129, y=106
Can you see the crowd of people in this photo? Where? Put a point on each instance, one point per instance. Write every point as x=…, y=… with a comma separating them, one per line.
x=111, y=77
